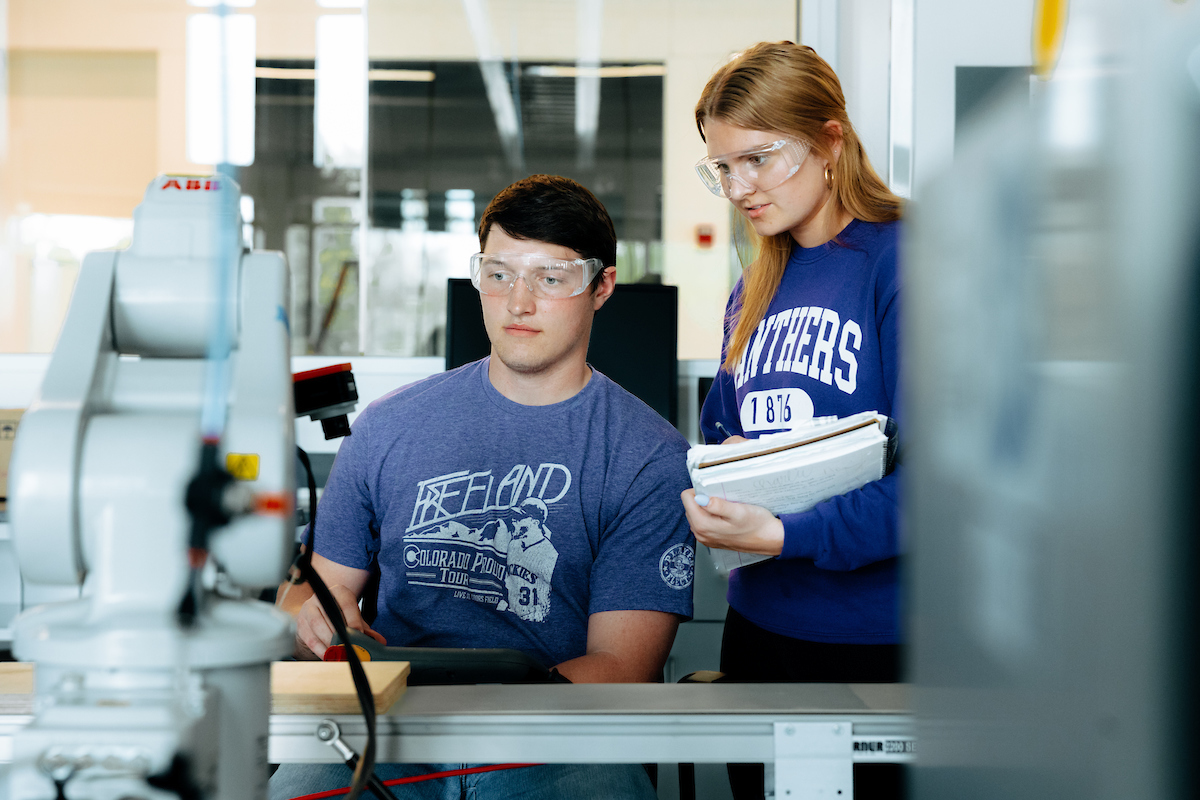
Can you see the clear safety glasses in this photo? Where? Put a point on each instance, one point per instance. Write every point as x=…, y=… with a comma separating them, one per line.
x=552, y=278
x=762, y=168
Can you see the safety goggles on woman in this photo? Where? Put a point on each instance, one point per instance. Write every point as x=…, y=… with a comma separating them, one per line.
x=759, y=168
x=552, y=278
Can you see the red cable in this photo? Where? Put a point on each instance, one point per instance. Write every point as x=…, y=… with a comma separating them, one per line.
x=450, y=773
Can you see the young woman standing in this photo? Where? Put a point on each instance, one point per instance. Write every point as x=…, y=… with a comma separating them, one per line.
x=810, y=330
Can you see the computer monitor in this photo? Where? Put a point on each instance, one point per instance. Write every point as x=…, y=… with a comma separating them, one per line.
x=634, y=339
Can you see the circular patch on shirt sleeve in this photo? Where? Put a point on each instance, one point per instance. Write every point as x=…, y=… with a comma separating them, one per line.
x=677, y=566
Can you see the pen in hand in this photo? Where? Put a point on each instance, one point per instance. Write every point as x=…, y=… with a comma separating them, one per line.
x=723, y=430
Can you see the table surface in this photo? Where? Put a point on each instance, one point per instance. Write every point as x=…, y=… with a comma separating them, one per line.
x=601, y=722
x=698, y=722
x=649, y=698
x=16, y=686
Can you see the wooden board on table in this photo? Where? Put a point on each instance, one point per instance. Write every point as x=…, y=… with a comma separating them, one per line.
x=319, y=687
x=16, y=688
x=16, y=677
x=297, y=687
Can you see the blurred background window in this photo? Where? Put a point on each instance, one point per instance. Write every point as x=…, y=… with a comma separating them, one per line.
x=366, y=142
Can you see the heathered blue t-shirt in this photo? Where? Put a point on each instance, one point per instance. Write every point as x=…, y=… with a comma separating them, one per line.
x=826, y=347
x=496, y=524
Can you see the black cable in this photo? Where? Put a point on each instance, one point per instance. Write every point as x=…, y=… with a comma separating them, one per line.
x=377, y=787
x=177, y=779
x=60, y=785
x=366, y=763
x=312, y=493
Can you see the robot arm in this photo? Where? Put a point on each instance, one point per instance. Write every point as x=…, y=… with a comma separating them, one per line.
x=114, y=431
x=130, y=702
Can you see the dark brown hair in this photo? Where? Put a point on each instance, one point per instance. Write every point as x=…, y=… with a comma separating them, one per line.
x=556, y=210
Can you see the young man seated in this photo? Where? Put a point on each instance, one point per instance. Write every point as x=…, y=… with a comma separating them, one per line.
x=522, y=501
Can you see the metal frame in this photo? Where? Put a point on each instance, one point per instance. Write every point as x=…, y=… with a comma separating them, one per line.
x=812, y=733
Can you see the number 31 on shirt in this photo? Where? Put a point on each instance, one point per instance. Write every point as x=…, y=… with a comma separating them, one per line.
x=775, y=409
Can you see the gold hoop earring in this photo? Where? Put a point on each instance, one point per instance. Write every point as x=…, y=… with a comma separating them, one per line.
x=828, y=176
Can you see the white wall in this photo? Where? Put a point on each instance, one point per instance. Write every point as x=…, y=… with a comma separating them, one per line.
x=949, y=34
x=854, y=36
x=864, y=67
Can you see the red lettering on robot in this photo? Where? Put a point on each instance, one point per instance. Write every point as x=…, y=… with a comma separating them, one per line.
x=192, y=185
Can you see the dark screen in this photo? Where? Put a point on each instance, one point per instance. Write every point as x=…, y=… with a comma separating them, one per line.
x=634, y=338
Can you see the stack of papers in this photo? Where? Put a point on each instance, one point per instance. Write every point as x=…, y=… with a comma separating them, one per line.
x=792, y=471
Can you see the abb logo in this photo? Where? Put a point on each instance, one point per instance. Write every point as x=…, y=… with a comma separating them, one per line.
x=191, y=185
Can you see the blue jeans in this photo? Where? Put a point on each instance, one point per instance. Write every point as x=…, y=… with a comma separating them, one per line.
x=544, y=782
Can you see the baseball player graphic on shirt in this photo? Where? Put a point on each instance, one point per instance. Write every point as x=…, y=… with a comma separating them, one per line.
x=494, y=553
x=531, y=561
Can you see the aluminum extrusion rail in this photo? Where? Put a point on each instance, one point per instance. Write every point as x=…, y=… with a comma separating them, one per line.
x=813, y=733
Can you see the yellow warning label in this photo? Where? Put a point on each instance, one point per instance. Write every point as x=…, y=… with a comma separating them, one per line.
x=1049, y=29
x=243, y=466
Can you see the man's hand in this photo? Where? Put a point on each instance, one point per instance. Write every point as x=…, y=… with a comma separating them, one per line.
x=314, y=630
x=733, y=526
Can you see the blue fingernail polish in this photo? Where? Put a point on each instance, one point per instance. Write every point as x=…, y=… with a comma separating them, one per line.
x=701, y=499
